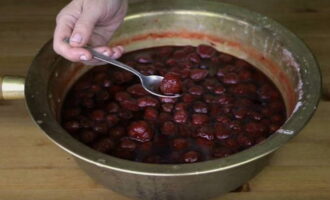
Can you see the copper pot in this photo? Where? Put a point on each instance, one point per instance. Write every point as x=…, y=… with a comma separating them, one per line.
x=253, y=37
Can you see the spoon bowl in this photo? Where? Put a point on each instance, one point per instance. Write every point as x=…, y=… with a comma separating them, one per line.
x=152, y=83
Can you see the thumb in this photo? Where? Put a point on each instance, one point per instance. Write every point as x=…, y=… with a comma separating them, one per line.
x=83, y=29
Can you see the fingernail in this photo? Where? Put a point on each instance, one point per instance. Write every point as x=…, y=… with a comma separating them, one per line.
x=76, y=38
x=106, y=53
x=121, y=48
x=83, y=58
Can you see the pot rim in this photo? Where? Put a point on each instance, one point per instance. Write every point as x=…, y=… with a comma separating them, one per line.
x=36, y=93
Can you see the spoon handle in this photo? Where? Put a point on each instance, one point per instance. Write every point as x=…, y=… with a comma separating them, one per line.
x=107, y=59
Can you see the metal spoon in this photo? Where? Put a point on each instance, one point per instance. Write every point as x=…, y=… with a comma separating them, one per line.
x=150, y=83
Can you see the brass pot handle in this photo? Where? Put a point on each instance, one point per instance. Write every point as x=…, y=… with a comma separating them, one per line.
x=11, y=87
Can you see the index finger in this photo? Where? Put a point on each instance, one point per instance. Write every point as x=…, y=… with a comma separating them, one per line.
x=62, y=32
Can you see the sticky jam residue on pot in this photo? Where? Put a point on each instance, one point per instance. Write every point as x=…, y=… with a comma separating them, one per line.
x=227, y=105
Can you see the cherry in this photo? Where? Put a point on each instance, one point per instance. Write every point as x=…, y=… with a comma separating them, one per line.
x=165, y=51
x=210, y=83
x=111, y=120
x=125, y=114
x=244, y=102
x=137, y=90
x=169, y=128
x=100, y=127
x=179, y=143
x=231, y=144
x=124, y=154
x=273, y=128
x=152, y=159
x=231, y=78
x=103, y=145
x=172, y=62
x=88, y=136
x=266, y=111
x=200, y=107
x=82, y=85
x=268, y=92
x=167, y=107
x=117, y=132
x=115, y=88
x=224, y=119
x=191, y=157
x=224, y=99
x=97, y=115
x=241, y=63
x=221, y=152
x=255, y=128
x=140, y=131
x=193, y=57
x=130, y=104
x=245, y=75
x=198, y=74
x=146, y=69
x=180, y=116
x=208, y=98
x=255, y=115
x=179, y=55
x=168, y=100
x=145, y=147
x=235, y=125
x=121, y=96
x=188, y=49
x=100, y=77
x=205, y=132
x=72, y=126
x=226, y=58
x=103, y=95
x=171, y=84
x=112, y=107
x=199, y=119
x=205, y=144
x=205, y=51
x=221, y=132
x=226, y=70
x=243, y=89
x=240, y=114
x=106, y=83
x=196, y=90
x=276, y=106
x=188, y=98
x=95, y=88
x=71, y=113
x=144, y=59
x=244, y=141
x=88, y=103
x=147, y=101
x=164, y=116
x=128, y=144
x=122, y=76
x=85, y=122
x=150, y=113
x=219, y=89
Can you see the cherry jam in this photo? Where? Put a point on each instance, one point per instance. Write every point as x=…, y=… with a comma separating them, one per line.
x=227, y=105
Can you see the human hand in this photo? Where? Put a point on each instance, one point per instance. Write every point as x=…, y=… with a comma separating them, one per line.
x=91, y=22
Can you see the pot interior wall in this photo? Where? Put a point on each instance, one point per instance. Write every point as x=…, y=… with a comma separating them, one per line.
x=252, y=41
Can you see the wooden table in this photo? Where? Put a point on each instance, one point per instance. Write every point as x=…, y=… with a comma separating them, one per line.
x=31, y=167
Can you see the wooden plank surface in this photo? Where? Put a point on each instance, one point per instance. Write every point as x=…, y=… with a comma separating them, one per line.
x=31, y=167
